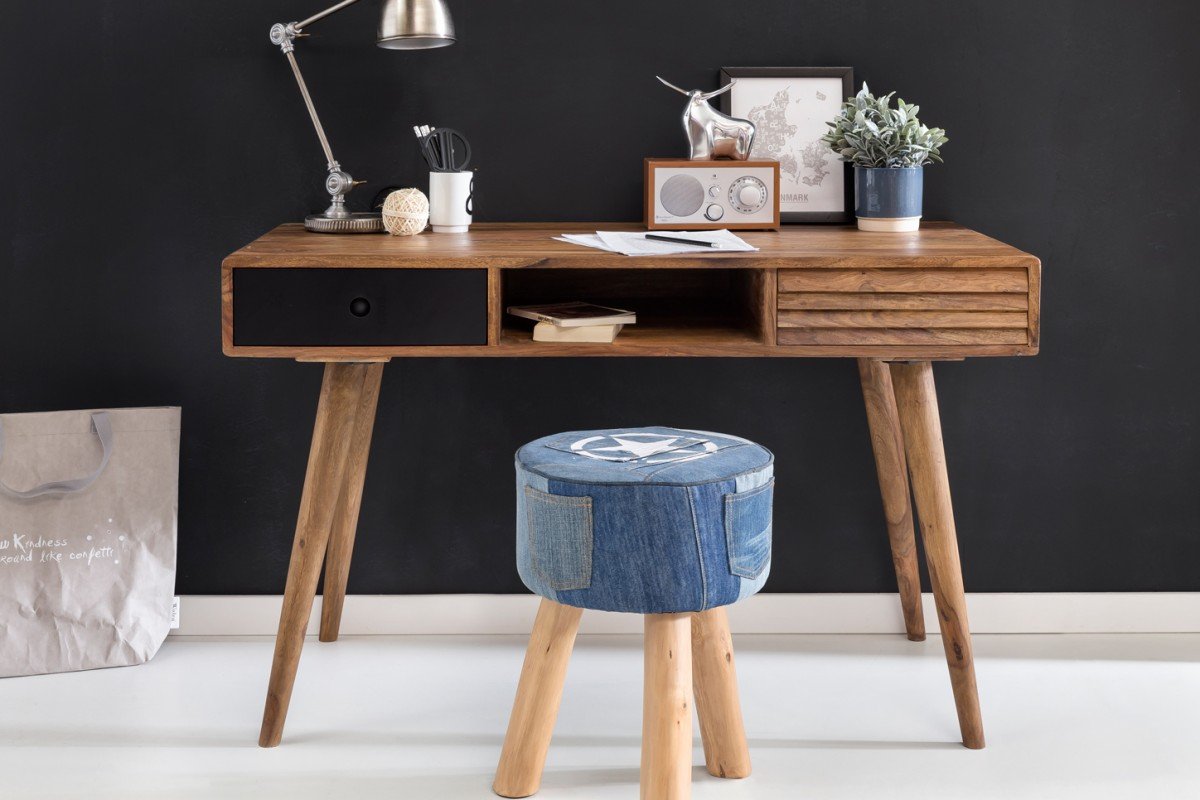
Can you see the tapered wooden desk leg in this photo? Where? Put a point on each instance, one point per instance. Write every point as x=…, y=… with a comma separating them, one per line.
x=345, y=517
x=538, y=696
x=888, y=443
x=341, y=391
x=667, y=708
x=916, y=399
x=726, y=754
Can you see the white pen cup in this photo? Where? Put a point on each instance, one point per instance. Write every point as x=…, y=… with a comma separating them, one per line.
x=451, y=201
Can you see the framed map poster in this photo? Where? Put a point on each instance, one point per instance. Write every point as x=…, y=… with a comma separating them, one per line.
x=789, y=107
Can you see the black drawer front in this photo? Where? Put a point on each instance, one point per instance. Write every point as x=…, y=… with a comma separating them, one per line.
x=359, y=307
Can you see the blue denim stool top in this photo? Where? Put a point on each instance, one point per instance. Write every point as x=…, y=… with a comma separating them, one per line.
x=644, y=520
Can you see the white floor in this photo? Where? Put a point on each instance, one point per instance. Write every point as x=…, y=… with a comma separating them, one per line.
x=829, y=717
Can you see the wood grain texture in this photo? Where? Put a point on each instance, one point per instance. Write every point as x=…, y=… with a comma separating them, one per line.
x=714, y=678
x=943, y=267
x=903, y=319
x=337, y=406
x=539, y=694
x=651, y=333
x=345, y=516
x=495, y=305
x=1035, y=306
x=929, y=279
x=938, y=245
x=900, y=336
x=654, y=345
x=227, y=313
x=765, y=299
x=912, y=301
x=323, y=356
x=667, y=708
x=887, y=443
x=916, y=400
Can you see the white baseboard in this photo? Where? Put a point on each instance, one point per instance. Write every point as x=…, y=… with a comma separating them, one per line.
x=1130, y=612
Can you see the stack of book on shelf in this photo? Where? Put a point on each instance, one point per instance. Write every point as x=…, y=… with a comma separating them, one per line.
x=575, y=322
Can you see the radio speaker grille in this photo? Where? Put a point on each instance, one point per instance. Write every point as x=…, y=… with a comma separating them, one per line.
x=682, y=195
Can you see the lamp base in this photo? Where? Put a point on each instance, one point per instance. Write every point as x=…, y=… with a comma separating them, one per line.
x=356, y=222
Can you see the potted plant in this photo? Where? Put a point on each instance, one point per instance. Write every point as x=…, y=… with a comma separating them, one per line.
x=888, y=148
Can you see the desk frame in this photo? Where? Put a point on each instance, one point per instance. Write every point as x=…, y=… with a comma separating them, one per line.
x=949, y=267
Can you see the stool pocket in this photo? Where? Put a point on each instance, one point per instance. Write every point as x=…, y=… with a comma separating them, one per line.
x=748, y=530
x=560, y=538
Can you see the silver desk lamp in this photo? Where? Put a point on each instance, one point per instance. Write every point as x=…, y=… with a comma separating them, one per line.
x=403, y=25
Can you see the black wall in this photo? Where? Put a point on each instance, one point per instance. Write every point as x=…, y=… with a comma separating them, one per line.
x=145, y=140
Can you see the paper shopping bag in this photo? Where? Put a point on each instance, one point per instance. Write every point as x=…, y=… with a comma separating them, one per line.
x=88, y=504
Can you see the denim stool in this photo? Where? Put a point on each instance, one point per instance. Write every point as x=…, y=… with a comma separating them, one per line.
x=673, y=524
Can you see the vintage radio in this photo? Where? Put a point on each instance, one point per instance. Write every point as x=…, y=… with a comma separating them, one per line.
x=709, y=195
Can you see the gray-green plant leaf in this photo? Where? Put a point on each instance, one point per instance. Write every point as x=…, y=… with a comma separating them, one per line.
x=869, y=132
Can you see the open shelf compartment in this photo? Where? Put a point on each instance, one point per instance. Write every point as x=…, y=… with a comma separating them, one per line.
x=674, y=306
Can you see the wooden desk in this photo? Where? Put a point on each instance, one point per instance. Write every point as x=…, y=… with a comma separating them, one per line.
x=893, y=301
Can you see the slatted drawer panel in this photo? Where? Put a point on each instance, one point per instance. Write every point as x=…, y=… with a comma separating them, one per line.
x=903, y=307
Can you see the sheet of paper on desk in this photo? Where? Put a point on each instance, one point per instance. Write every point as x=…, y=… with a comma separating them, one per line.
x=636, y=244
x=585, y=239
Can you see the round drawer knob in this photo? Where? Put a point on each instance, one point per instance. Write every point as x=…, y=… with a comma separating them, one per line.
x=360, y=307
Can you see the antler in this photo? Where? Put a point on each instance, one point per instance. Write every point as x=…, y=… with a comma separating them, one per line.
x=716, y=92
x=673, y=86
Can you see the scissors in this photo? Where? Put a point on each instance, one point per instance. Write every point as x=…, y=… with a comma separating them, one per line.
x=446, y=150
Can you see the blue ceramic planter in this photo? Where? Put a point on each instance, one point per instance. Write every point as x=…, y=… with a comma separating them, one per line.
x=888, y=199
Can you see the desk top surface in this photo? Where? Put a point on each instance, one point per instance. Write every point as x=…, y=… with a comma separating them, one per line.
x=515, y=245
x=810, y=290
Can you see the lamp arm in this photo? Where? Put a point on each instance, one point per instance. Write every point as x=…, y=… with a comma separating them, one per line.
x=338, y=182
x=320, y=15
x=312, y=109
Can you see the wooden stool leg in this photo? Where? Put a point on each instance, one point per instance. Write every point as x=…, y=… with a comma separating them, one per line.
x=538, y=696
x=916, y=398
x=666, y=708
x=341, y=389
x=345, y=517
x=888, y=443
x=715, y=677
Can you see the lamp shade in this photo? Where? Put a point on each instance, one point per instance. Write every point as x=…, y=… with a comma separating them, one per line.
x=415, y=25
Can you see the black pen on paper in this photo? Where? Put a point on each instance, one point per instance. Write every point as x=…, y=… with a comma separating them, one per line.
x=678, y=240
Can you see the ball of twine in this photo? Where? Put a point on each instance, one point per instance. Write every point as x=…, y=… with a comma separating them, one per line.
x=406, y=212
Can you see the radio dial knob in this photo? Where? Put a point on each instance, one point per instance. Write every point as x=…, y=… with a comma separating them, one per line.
x=714, y=191
x=714, y=212
x=748, y=194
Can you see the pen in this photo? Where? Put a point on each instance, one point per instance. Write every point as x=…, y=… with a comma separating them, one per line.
x=677, y=240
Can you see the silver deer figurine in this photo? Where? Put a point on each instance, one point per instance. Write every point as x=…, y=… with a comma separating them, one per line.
x=711, y=133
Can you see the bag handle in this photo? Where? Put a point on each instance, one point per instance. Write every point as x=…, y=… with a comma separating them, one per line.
x=103, y=429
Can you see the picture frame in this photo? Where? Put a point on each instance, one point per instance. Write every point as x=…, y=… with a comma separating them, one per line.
x=790, y=106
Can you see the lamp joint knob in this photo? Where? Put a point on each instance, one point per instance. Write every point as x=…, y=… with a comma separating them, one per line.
x=282, y=35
